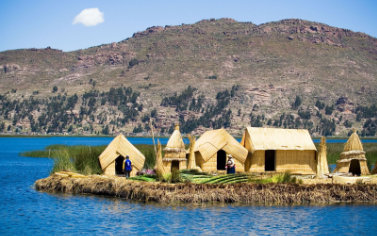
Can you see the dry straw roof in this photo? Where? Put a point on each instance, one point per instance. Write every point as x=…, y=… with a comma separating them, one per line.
x=121, y=146
x=277, y=139
x=353, y=143
x=353, y=149
x=175, y=148
x=213, y=141
x=175, y=141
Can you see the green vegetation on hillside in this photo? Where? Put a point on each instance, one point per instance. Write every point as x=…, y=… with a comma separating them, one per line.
x=214, y=73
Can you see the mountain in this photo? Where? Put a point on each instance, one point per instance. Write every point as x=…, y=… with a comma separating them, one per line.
x=211, y=74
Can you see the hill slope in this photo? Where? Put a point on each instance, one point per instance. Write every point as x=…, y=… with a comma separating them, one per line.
x=239, y=74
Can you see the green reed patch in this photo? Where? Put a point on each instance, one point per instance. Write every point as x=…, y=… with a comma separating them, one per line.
x=84, y=159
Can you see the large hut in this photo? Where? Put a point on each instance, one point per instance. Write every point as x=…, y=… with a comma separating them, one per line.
x=175, y=152
x=112, y=158
x=352, y=159
x=279, y=150
x=213, y=147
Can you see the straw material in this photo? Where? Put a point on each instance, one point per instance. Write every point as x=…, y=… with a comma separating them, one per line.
x=191, y=159
x=353, y=143
x=322, y=165
x=212, y=141
x=175, y=148
x=255, y=139
x=294, y=150
x=353, y=150
x=120, y=146
x=161, y=170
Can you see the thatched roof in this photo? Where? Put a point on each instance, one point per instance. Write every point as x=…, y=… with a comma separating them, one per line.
x=353, y=149
x=213, y=141
x=255, y=139
x=353, y=143
x=175, y=148
x=121, y=146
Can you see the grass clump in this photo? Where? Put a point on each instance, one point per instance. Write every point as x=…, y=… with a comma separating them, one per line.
x=62, y=161
x=283, y=178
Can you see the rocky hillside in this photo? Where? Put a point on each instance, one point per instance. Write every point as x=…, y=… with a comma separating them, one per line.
x=211, y=74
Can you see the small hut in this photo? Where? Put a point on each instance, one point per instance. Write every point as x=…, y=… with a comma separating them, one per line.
x=352, y=159
x=112, y=158
x=279, y=150
x=213, y=147
x=175, y=152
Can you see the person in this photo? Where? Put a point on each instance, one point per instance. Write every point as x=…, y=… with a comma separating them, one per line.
x=127, y=167
x=230, y=166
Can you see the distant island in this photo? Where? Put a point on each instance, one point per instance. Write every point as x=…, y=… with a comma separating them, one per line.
x=214, y=73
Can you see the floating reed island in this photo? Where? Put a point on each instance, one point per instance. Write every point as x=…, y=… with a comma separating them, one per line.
x=273, y=166
x=243, y=193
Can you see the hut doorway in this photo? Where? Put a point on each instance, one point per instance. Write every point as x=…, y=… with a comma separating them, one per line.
x=119, y=165
x=221, y=160
x=269, y=160
x=355, y=167
x=174, y=166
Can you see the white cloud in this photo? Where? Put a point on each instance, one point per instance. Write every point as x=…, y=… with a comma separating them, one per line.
x=89, y=17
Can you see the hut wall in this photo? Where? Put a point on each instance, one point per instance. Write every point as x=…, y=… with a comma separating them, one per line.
x=296, y=162
x=248, y=162
x=182, y=165
x=364, y=168
x=256, y=162
x=211, y=165
x=344, y=167
x=199, y=160
x=110, y=170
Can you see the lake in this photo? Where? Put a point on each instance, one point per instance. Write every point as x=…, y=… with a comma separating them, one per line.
x=26, y=211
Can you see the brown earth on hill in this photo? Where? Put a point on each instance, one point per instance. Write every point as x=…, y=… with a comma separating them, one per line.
x=267, y=67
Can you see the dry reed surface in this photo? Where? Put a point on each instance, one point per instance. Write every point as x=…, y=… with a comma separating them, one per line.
x=245, y=193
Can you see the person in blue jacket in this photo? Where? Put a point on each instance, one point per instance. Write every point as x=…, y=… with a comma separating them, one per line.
x=127, y=167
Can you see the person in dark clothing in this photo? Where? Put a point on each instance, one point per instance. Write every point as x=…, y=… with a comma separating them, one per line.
x=230, y=166
x=127, y=167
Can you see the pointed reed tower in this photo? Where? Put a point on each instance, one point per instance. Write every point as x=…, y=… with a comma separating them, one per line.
x=352, y=159
x=175, y=152
x=160, y=169
x=191, y=160
x=322, y=165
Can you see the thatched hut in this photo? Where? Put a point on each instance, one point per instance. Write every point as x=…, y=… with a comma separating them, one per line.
x=279, y=150
x=175, y=152
x=352, y=159
x=112, y=158
x=213, y=147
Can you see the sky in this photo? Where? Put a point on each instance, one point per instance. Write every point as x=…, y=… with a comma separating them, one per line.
x=77, y=24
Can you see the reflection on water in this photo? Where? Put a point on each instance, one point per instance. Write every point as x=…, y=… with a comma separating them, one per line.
x=26, y=211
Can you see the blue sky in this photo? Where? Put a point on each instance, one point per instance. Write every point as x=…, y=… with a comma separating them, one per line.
x=42, y=23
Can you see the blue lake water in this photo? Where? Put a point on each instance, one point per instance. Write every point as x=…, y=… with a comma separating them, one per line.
x=26, y=211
